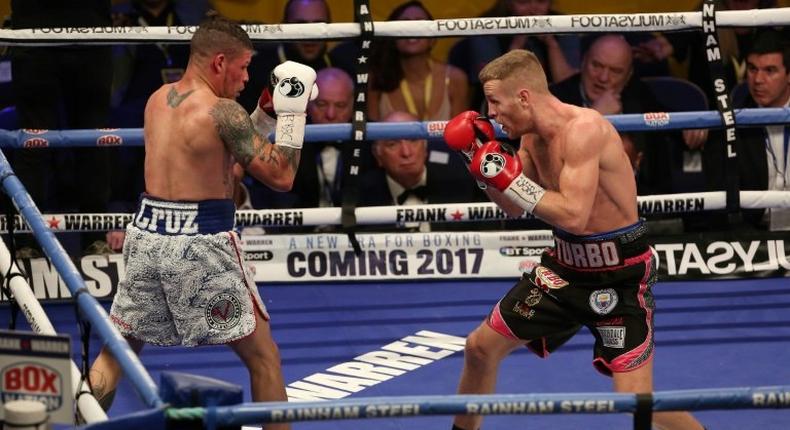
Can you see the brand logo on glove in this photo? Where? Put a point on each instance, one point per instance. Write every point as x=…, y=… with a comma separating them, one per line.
x=291, y=87
x=492, y=165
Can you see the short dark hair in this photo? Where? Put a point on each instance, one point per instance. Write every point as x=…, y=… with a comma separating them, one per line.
x=772, y=42
x=219, y=34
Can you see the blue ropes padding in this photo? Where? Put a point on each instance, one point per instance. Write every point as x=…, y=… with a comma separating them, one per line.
x=181, y=389
x=494, y=404
x=129, y=362
x=151, y=419
x=661, y=121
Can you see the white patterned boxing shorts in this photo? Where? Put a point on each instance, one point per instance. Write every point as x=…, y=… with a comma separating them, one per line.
x=186, y=282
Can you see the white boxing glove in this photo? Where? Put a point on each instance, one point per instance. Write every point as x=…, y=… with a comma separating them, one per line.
x=294, y=85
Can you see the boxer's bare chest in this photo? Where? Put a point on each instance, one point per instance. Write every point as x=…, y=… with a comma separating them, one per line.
x=548, y=159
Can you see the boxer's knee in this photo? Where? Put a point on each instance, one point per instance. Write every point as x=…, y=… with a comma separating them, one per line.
x=479, y=352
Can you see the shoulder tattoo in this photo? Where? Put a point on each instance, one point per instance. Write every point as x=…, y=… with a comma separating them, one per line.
x=236, y=130
x=174, y=99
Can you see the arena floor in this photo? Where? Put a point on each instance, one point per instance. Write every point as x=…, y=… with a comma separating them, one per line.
x=708, y=334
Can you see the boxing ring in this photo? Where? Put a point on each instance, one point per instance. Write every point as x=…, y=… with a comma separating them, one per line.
x=394, y=348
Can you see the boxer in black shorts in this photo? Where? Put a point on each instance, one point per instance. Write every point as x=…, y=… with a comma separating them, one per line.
x=600, y=281
x=571, y=171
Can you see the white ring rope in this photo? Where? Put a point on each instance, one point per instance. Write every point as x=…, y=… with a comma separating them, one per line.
x=450, y=212
x=669, y=21
x=89, y=408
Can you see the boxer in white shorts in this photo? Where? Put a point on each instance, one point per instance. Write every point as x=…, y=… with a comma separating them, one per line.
x=186, y=256
x=186, y=283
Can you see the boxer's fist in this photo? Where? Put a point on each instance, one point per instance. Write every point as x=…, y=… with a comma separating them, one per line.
x=499, y=166
x=265, y=102
x=263, y=115
x=293, y=86
x=467, y=131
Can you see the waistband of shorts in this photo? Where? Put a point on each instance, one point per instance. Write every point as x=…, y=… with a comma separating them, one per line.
x=602, y=250
x=175, y=218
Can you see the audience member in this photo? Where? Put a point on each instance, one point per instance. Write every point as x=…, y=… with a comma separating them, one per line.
x=606, y=83
x=691, y=47
x=405, y=78
x=138, y=71
x=63, y=87
x=762, y=151
x=559, y=54
x=409, y=173
x=312, y=53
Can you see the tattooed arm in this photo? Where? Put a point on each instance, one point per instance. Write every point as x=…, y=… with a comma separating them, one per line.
x=274, y=165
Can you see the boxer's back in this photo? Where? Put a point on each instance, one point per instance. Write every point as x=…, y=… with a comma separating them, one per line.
x=185, y=158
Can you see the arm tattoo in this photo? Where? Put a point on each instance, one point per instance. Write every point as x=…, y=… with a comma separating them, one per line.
x=236, y=130
x=290, y=155
x=174, y=99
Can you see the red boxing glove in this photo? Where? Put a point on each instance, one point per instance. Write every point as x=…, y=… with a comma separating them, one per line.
x=497, y=165
x=467, y=131
x=263, y=115
x=265, y=102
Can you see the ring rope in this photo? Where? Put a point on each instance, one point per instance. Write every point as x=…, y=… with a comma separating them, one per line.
x=643, y=22
x=694, y=399
x=39, y=322
x=129, y=362
x=447, y=212
x=492, y=404
x=655, y=121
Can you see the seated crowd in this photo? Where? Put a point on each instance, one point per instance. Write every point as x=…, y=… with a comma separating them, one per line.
x=611, y=73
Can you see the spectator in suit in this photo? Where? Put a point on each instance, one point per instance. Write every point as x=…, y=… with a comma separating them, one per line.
x=559, y=54
x=690, y=48
x=607, y=84
x=138, y=71
x=312, y=53
x=409, y=174
x=762, y=151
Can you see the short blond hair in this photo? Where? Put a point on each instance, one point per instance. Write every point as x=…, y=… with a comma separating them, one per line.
x=518, y=64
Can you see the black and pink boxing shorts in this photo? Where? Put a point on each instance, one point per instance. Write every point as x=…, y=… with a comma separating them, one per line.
x=601, y=281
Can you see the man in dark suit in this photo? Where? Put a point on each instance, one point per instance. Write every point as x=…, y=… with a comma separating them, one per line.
x=409, y=173
x=762, y=151
x=310, y=52
x=606, y=84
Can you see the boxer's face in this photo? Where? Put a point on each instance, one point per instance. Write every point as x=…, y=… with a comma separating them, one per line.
x=768, y=79
x=505, y=107
x=235, y=75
